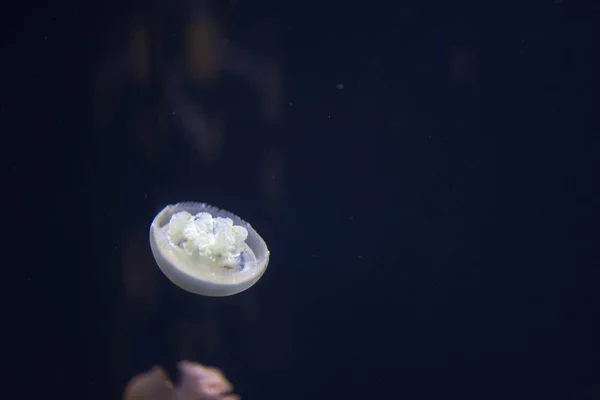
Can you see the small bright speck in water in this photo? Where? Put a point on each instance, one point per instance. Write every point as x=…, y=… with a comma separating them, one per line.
x=207, y=251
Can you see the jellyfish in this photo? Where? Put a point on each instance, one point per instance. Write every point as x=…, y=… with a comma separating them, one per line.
x=206, y=250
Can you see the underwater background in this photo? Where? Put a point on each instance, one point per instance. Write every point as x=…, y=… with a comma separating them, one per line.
x=422, y=173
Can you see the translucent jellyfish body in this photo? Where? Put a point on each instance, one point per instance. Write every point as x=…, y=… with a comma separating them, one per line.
x=207, y=251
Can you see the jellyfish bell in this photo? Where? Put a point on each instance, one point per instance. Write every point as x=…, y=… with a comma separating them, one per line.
x=207, y=251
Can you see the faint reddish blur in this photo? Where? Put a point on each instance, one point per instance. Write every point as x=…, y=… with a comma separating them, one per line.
x=167, y=89
x=196, y=382
x=204, y=54
x=463, y=68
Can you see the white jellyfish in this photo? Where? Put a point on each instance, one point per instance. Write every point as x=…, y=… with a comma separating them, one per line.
x=207, y=251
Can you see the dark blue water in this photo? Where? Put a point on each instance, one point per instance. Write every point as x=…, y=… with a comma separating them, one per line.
x=421, y=172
